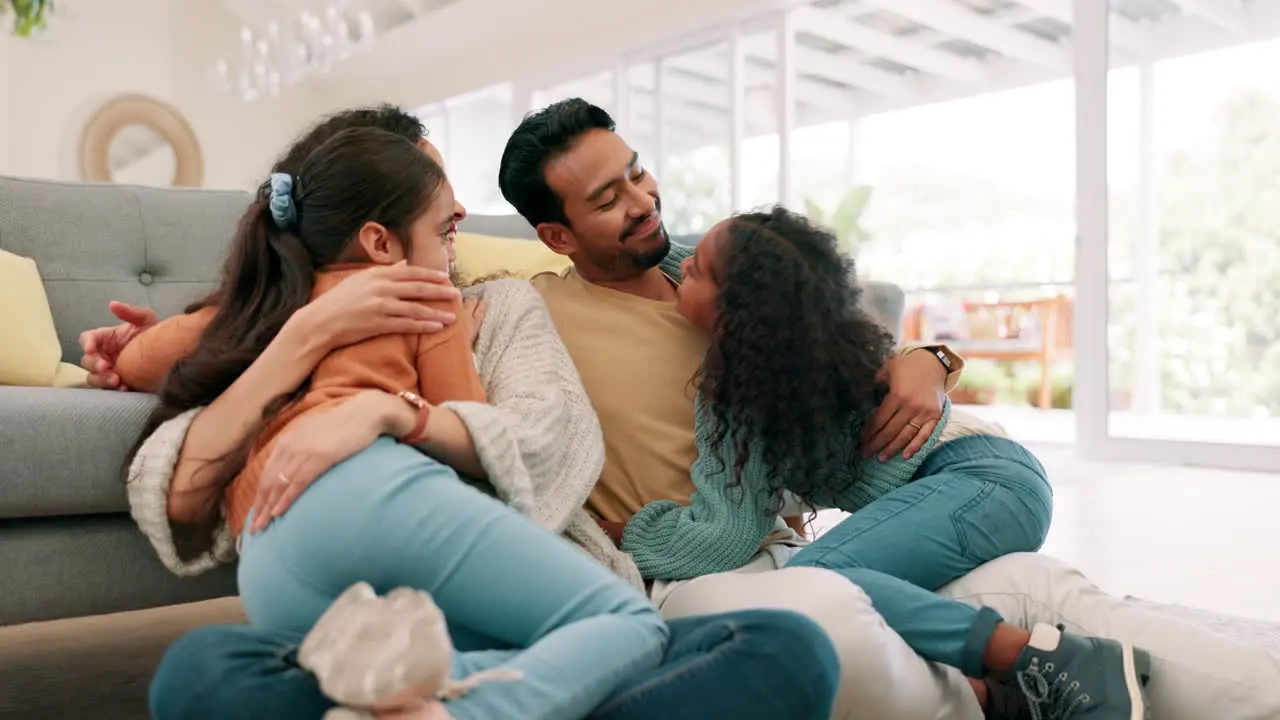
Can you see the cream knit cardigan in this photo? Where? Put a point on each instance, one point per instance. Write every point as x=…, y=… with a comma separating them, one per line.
x=538, y=437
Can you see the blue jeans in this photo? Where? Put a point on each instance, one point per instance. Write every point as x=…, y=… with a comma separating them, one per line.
x=755, y=664
x=392, y=517
x=973, y=500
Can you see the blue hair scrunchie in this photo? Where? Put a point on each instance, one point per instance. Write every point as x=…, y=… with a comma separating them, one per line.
x=283, y=209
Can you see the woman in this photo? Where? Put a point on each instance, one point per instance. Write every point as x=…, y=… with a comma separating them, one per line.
x=970, y=495
x=363, y=199
x=548, y=472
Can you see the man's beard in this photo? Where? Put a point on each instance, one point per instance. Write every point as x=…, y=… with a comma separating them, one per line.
x=639, y=261
x=625, y=262
x=643, y=260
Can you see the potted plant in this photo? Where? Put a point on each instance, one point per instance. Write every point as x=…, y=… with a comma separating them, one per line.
x=845, y=219
x=29, y=16
x=1061, y=387
x=981, y=383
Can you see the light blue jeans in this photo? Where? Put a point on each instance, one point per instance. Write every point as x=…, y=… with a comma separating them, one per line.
x=392, y=517
x=973, y=500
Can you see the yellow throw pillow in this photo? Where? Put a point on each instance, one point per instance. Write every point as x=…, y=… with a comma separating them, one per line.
x=484, y=255
x=29, y=351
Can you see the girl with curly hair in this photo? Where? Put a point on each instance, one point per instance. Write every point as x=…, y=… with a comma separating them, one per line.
x=793, y=375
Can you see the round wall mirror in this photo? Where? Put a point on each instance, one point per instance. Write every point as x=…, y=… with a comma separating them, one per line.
x=139, y=140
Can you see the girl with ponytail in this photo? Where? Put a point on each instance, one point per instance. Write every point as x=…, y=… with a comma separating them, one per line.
x=391, y=516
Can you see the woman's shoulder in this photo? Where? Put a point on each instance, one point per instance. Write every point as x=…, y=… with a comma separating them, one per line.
x=512, y=294
x=513, y=285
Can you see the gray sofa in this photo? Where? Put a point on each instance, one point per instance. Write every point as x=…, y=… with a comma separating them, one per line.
x=67, y=544
x=68, y=547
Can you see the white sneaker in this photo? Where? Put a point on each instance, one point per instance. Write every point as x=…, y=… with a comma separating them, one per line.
x=379, y=652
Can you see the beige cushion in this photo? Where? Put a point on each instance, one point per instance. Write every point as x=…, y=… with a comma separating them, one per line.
x=484, y=255
x=29, y=351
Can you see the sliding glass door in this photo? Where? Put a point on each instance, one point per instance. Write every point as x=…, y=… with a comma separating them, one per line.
x=1178, y=263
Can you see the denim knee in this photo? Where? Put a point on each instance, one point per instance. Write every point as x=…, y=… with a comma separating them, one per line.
x=178, y=686
x=224, y=671
x=811, y=669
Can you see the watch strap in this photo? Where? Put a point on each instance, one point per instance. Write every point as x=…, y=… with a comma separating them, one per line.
x=419, y=431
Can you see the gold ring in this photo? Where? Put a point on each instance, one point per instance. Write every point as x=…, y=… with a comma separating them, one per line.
x=908, y=422
x=283, y=480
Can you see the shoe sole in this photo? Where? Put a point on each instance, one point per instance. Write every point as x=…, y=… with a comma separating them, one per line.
x=1137, y=665
x=367, y=650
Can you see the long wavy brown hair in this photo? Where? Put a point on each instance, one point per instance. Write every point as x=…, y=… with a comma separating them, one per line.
x=357, y=176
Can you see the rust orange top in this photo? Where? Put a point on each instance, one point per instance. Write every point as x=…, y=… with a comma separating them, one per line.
x=438, y=366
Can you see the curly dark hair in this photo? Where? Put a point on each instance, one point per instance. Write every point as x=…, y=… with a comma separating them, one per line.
x=541, y=137
x=793, y=369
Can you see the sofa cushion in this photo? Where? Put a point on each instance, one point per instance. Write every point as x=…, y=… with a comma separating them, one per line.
x=505, y=226
x=158, y=247
x=483, y=255
x=29, y=351
x=68, y=567
x=64, y=450
x=885, y=303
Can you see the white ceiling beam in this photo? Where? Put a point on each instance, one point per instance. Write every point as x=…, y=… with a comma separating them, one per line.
x=1224, y=13
x=1173, y=38
x=759, y=46
x=847, y=69
x=831, y=26
x=953, y=20
x=1123, y=31
x=832, y=66
x=1187, y=34
x=1016, y=16
x=415, y=8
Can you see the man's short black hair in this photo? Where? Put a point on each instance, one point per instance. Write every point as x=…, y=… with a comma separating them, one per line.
x=541, y=137
x=391, y=118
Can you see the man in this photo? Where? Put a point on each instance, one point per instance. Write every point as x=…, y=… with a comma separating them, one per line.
x=590, y=198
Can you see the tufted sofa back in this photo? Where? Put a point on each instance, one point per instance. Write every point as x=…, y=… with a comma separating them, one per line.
x=162, y=248
x=97, y=242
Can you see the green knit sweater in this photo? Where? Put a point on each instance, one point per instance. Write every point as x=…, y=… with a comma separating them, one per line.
x=720, y=530
x=671, y=263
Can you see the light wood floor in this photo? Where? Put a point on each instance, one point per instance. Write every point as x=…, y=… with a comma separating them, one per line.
x=1203, y=538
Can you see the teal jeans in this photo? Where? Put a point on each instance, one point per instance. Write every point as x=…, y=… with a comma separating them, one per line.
x=392, y=517
x=717, y=666
x=973, y=500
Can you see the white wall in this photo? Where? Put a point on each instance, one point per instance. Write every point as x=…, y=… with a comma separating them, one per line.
x=4, y=99
x=49, y=87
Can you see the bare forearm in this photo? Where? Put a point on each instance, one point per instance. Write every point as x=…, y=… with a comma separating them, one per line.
x=225, y=423
x=447, y=437
x=449, y=441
